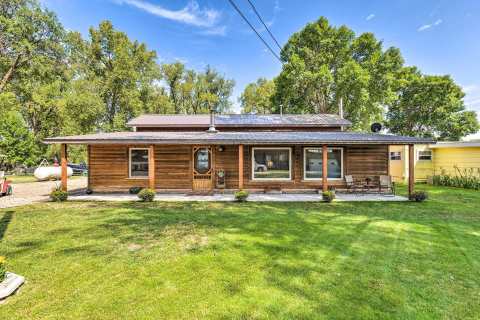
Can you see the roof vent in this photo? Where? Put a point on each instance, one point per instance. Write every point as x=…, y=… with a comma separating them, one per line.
x=211, y=128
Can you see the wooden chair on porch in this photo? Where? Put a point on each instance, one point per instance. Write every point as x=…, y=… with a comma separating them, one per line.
x=352, y=187
x=386, y=184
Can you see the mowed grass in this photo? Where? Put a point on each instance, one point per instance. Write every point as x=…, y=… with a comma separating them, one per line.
x=246, y=261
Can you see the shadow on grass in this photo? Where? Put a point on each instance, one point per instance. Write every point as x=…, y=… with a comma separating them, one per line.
x=4, y=222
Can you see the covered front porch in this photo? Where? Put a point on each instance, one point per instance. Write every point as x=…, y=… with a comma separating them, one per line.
x=229, y=197
x=205, y=162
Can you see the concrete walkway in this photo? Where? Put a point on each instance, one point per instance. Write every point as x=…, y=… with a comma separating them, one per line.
x=260, y=197
x=30, y=192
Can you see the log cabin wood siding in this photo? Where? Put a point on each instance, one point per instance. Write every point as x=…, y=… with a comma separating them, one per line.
x=173, y=167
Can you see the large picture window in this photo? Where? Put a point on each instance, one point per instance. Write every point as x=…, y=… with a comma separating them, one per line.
x=271, y=163
x=313, y=163
x=138, y=163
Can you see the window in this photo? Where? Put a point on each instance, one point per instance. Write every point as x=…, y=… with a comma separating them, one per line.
x=271, y=163
x=395, y=155
x=313, y=163
x=425, y=155
x=202, y=160
x=138, y=163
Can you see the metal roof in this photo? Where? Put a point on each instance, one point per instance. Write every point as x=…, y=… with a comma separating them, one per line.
x=457, y=144
x=229, y=138
x=239, y=120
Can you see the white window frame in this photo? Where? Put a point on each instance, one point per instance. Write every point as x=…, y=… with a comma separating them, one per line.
x=318, y=179
x=418, y=155
x=399, y=152
x=272, y=179
x=130, y=163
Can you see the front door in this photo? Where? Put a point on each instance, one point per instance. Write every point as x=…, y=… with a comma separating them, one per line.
x=202, y=168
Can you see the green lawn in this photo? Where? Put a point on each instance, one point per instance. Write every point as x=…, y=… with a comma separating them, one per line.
x=246, y=261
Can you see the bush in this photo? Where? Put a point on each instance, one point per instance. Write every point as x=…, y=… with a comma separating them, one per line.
x=3, y=268
x=468, y=178
x=328, y=196
x=135, y=190
x=419, y=196
x=146, y=195
x=58, y=195
x=241, y=196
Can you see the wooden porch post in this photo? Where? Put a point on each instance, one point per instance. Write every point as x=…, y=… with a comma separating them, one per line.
x=324, y=168
x=151, y=167
x=63, y=163
x=89, y=151
x=411, y=169
x=240, y=166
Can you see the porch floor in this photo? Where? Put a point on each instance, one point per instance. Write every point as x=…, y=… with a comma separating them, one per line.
x=254, y=197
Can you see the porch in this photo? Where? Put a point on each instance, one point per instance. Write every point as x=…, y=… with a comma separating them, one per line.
x=228, y=197
x=182, y=162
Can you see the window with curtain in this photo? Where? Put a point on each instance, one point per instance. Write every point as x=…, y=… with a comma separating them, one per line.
x=271, y=163
x=313, y=163
x=138, y=163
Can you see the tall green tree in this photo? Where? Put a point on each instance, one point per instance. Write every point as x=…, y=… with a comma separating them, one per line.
x=119, y=68
x=191, y=92
x=257, y=97
x=430, y=106
x=17, y=143
x=30, y=38
x=323, y=64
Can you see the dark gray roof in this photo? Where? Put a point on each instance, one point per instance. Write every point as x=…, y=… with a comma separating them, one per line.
x=239, y=120
x=248, y=138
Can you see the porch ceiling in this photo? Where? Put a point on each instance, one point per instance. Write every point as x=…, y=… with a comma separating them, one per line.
x=233, y=138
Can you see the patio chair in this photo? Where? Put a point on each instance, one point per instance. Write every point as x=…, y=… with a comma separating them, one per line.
x=387, y=184
x=350, y=183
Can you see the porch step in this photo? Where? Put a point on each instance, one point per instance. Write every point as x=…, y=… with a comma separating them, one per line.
x=201, y=193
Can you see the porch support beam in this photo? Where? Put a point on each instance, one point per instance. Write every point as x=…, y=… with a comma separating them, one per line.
x=324, y=168
x=240, y=166
x=151, y=167
x=411, y=169
x=63, y=164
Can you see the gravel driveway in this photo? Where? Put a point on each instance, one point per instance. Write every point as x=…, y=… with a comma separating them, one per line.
x=30, y=192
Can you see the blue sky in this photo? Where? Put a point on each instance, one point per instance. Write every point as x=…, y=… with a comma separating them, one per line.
x=440, y=37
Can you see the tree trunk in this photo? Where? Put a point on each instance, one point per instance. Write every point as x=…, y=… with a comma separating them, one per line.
x=9, y=73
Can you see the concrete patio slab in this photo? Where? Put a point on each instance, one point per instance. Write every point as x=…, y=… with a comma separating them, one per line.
x=255, y=197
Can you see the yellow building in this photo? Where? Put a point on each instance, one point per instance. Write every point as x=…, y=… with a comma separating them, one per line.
x=434, y=159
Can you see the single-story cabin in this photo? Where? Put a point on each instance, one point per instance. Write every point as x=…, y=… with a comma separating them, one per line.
x=434, y=159
x=184, y=153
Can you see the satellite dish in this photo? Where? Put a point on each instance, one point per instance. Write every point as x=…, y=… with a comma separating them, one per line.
x=376, y=127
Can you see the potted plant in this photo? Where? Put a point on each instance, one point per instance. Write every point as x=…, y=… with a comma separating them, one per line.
x=328, y=196
x=241, y=196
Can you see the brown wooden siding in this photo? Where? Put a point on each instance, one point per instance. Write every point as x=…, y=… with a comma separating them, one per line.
x=109, y=168
x=173, y=167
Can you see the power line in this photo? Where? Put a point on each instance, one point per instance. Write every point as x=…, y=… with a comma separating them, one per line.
x=256, y=32
x=264, y=24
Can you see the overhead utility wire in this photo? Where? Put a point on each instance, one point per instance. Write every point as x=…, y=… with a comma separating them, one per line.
x=264, y=24
x=256, y=32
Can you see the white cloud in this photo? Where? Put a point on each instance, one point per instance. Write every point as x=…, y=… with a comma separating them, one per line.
x=216, y=31
x=429, y=26
x=191, y=14
x=370, y=17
